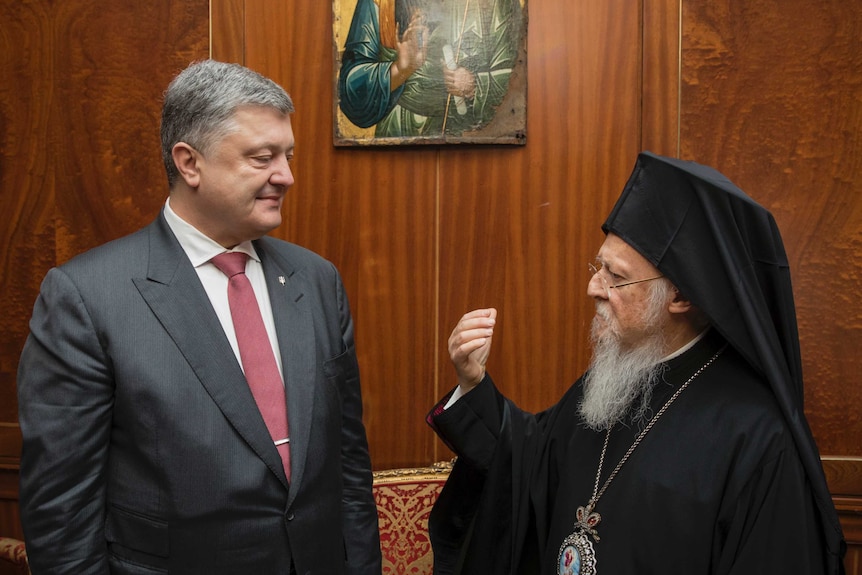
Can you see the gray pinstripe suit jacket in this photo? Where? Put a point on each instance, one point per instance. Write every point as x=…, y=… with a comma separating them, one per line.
x=144, y=451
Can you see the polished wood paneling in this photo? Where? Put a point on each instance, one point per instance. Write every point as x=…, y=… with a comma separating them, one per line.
x=227, y=25
x=767, y=93
x=27, y=179
x=844, y=476
x=114, y=62
x=80, y=160
x=371, y=212
x=518, y=225
x=771, y=96
x=423, y=235
x=660, y=86
x=10, y=517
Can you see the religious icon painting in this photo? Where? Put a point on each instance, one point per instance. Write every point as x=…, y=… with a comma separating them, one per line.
x=412, y=72
x=576, y=556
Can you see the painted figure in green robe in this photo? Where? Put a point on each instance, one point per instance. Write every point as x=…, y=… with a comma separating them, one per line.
x=428, y=69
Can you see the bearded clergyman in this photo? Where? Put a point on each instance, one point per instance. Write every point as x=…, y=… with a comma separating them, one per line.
x=684, y=448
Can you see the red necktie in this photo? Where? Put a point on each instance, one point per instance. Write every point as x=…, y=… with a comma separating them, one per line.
x=255, y=350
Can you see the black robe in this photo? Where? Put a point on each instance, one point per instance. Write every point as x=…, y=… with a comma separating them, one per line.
x=715, y=487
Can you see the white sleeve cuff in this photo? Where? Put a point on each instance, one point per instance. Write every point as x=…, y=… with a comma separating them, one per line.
x=456, y=395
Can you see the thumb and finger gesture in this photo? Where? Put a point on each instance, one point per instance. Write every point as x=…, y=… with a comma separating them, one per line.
x=470, y=345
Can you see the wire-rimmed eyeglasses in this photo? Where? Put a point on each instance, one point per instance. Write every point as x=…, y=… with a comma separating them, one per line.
x=607, y=278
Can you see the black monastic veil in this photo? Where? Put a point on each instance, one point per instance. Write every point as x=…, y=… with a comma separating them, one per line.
x=519, y=476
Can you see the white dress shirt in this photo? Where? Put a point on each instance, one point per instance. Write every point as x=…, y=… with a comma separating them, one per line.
x=200, y=250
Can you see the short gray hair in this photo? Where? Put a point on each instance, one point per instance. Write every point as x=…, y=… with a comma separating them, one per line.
x=201, y=101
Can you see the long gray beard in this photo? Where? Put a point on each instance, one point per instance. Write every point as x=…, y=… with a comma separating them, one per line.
x=620, y=382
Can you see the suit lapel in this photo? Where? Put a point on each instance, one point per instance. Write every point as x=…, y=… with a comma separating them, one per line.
x=174, y=293
x=296, y=340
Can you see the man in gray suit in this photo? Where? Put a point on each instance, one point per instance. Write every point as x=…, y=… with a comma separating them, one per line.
x=144, y=448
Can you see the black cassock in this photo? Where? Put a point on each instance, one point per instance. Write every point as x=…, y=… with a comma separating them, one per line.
x=715, y=487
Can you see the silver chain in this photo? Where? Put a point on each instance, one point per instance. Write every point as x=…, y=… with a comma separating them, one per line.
x=596, y=493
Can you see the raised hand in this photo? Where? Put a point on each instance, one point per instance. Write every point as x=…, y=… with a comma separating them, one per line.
x=412, y=48
x=470, y=345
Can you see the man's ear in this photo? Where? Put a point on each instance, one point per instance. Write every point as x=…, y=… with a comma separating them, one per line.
x=186, y=160
x=679, y=303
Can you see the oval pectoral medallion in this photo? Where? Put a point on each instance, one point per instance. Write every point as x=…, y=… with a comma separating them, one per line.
x=577, y=556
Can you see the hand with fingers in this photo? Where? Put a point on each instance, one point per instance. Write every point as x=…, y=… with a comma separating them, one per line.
x=412, y=50
x=470, y=345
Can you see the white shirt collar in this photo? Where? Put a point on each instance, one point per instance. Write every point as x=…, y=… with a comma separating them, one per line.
x=686, y=347
x=200, y=248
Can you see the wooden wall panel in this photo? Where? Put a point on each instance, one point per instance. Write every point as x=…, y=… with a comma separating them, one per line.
x=397, y=299
x=516, y=224
x=769, y=94
x=27, y=231
x=772, y=96
x=112, y=63
x=227, y=25
x=590, y=99
x=660, y=84
x=520, y=224
x=80, y=160
x=844, y=476
x=372, y=213
x=26, y=176
x=10, y=447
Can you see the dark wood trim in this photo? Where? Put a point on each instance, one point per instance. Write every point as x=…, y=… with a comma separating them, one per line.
x=844, y=477
x=843, y=474
x=10, y=445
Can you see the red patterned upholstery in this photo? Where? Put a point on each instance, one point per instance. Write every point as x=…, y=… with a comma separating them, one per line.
x=404, y=499
x=12, y=551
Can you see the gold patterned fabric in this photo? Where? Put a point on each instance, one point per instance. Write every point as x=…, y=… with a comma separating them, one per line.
x=404, y=500
x=13, y=551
